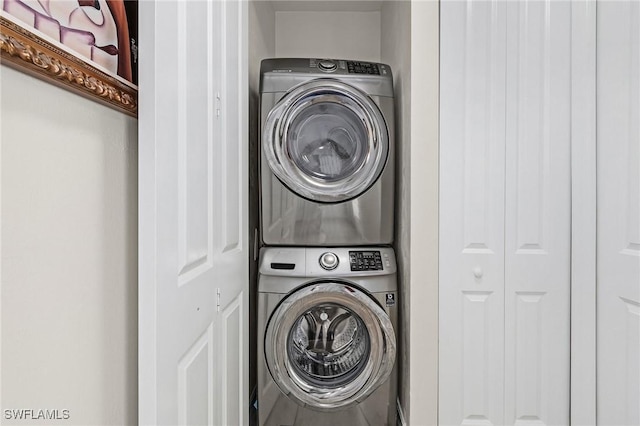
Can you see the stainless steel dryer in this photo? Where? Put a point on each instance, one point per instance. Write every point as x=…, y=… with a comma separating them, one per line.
x=327, y=148
x=326, y=336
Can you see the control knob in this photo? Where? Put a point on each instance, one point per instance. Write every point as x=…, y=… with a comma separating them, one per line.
x=329, y=261
x=327, y=65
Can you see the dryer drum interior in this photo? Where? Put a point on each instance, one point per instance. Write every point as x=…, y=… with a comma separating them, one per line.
x=326, y=140
x=329, y=345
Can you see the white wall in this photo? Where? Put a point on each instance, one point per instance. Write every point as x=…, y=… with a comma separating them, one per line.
x=423, y=215
x=69, y=254
x=338, y=35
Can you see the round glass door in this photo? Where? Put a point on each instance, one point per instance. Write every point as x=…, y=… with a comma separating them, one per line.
x=329, y=345
x=326, y=140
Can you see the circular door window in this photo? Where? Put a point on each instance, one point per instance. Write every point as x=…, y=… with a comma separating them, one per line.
x=329, y=345
x=326, y=140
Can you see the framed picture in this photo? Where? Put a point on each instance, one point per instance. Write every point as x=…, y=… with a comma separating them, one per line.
x=87, y=46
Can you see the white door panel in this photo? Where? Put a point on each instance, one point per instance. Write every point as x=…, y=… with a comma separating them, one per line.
x=471, y=239
x=618, y=235
x=583, y=213
x=538, y=213
x=505, y=212
x=196, y=377
x=234, y=355
x=231, y=164
x=193, y=213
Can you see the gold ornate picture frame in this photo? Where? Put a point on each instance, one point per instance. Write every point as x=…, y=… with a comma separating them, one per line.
x=28, y=51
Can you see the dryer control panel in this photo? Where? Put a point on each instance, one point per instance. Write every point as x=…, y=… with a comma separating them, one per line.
x=367, y=260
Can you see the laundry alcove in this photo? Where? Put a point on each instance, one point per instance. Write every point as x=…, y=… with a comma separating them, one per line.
x=376, y=31
x=198, y=190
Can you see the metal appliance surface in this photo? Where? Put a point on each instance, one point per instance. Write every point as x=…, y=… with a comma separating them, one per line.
x=326, y=153
x=326, y=336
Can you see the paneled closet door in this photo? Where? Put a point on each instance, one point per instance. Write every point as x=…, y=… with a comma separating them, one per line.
x=618, y=231
x=538, y=213
x=193, y=313
x=472, y=179
x=505, y=211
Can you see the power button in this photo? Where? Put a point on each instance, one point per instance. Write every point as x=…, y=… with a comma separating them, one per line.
x=329, y=261
x=327, y=66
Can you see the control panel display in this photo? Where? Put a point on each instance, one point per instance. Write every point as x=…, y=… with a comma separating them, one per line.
x=365, y=260
x=362, y=68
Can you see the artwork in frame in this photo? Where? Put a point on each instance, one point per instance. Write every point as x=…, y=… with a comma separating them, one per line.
x=88, y=46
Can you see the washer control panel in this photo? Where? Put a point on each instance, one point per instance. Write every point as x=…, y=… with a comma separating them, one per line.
x=366, y=260
x=362, y=68
x=334, y=262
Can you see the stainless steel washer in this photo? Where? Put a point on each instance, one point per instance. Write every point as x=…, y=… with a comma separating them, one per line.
x=326, y=336
x=327, y=142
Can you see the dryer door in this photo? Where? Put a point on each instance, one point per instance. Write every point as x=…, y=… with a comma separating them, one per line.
x=329, y=345
x=326, y=141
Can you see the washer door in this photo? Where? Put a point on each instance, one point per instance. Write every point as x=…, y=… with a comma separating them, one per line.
x=329, y=345
x=326, y=141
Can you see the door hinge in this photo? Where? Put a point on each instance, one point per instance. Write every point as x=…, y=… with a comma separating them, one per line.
x=217, y=299
x=218, y=104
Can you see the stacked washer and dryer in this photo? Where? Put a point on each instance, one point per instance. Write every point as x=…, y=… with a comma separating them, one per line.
x=327, y=285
